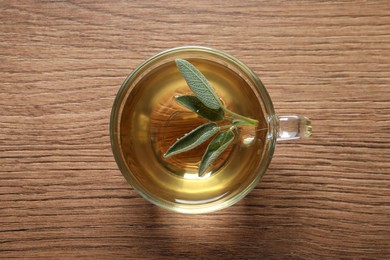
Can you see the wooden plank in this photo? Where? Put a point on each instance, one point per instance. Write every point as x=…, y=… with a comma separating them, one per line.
x=62, y=195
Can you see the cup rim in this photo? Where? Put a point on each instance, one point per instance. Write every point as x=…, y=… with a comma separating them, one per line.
x=269, y=147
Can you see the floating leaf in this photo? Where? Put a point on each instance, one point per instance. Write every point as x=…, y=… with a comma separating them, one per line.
x=198, y=84
x=193, y=139
x=216, y=147
x=195, y=105
x=206, y=104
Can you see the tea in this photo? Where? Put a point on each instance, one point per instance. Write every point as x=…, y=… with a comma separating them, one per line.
x=152, y=120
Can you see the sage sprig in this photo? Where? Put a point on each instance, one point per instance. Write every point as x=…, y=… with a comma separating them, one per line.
x=208, y=105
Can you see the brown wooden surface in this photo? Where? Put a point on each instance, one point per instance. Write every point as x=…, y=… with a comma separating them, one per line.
x=62, y=195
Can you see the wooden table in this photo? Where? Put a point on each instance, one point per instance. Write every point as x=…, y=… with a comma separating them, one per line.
x=62, y=195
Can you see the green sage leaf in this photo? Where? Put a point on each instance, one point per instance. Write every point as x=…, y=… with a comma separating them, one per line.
x=198, y=84
x=192, y=139
x=195, y=105
x=216, y=147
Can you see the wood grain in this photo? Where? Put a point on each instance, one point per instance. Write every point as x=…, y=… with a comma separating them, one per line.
x=62, y=195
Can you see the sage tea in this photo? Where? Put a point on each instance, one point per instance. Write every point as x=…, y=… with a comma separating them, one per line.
x=152, y=120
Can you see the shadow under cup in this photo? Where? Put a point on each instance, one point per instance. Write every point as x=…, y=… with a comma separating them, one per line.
x=146, y=120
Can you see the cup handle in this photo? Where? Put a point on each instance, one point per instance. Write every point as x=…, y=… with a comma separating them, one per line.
x=293, y=127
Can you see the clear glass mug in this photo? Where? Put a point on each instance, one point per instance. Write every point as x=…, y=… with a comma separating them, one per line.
x=145, y=119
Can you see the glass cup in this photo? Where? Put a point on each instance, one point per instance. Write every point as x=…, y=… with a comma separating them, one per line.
x=145, y=119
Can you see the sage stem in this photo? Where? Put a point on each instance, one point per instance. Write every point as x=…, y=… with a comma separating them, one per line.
x=248, y=120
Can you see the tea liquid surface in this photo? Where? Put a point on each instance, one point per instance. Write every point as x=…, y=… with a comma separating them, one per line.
x=152, y=121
